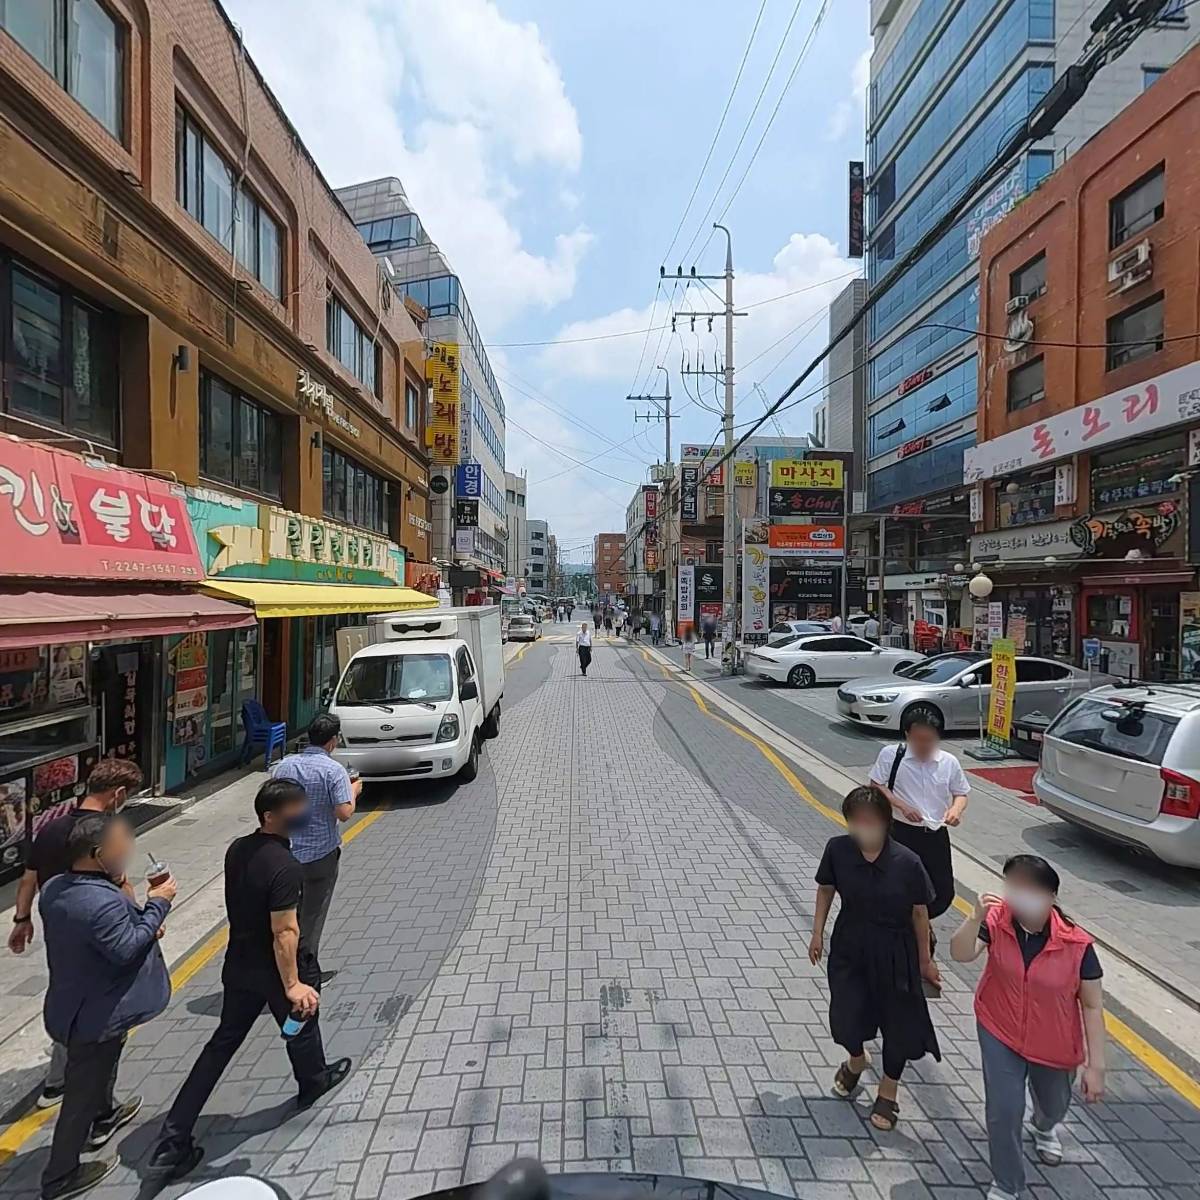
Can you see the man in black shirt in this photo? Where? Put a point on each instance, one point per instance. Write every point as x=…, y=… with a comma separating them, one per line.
x=109, y=786
x=264, y=967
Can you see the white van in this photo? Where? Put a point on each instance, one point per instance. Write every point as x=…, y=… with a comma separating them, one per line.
x=420, y=693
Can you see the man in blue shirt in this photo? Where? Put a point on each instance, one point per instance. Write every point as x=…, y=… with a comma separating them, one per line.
x=317, y=846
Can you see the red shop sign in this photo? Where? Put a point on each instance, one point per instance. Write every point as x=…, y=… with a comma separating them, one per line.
x=915, y=380
x=62, y=517
x=915, y=446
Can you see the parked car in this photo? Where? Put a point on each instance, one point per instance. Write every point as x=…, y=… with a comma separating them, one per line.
x=1125, y=762
x=524, y=627
x=787, y=629
x=951, y=689
x=825, y=658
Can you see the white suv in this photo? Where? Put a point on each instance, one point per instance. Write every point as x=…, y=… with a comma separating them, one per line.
x=1125, y=762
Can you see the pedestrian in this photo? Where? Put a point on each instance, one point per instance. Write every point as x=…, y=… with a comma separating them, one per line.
x=583, y=647
x=655, y=628
x=317, y=845
x=871, y=628
x=109, y=786
x=927, y=789
x=689, y=648
x=266, y=966
x=608, y=623
x=879, y=953
x=710, y=636
x=835, y=626
x=1039, y=1011
x=635, y=626
x=107, y=975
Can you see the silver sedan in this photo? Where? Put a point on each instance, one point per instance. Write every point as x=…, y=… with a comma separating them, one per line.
x=953, y=690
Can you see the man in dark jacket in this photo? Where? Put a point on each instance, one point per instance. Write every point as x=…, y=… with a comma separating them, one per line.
x=106, y=975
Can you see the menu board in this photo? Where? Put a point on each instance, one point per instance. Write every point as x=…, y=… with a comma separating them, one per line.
x=190, y=696
x=68, y=674
x=34, y=795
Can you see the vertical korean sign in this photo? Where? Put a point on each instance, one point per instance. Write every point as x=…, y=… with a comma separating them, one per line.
x=1004, y=679
x=443, y=434
x=686, y=596
x=756, y=580
x=855, y=238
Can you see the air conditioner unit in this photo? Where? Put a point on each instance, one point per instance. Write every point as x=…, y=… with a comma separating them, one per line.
x=1137, y=261
x=1019, y=334
x=1016, y=304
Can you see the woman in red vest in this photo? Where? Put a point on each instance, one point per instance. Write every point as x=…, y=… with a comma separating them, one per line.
x=1040, y=1014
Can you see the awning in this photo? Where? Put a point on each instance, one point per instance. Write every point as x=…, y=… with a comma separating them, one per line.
x=40, y=618
x=316, y=599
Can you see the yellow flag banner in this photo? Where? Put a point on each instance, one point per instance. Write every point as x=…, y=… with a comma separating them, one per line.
x=1004, y=679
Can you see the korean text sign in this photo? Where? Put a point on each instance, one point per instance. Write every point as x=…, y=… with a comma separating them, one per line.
x=63, y=517
x=1004, y=679
x=443, y=433
x=806, y=473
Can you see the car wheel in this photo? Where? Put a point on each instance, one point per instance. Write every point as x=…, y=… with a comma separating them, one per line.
x=926, y=711
x=491, y=726
x=802, y=676
x=471, y=767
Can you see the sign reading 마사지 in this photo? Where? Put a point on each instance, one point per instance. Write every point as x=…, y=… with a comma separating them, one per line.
x=807, y=473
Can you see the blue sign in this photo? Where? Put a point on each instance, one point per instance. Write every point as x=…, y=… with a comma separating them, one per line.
x=468, y=480
x=1091, y=650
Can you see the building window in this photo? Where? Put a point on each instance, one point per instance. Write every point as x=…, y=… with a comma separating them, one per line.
x=1135, y=333
x=81, y=45
x=351, y=345
x=1032, y=500
x=1137, y=207
x=241, y=441
x=1151, y=75
x=1027, y=384
x=412, y=406
x=355, y=495
x=1173, y=12
x=204, y=189
x=60, y=356
x=1029, y=280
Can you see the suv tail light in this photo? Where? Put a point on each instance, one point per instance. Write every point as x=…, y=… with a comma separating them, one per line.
x=1181, y=795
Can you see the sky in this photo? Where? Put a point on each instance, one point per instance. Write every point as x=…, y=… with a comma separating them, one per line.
x=554, y=151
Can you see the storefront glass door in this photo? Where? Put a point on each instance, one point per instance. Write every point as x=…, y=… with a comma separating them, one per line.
x=1163, y=658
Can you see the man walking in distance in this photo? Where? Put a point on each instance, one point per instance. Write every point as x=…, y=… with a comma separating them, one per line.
x=927, y=789
x=110, y=784
x=583, y=647
x=266, y=965
x=317, y=845
x=106, y=975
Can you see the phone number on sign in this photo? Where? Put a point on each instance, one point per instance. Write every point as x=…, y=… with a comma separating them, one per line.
x=144, y=568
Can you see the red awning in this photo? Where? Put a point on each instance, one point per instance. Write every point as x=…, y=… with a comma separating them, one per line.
x=38, y=618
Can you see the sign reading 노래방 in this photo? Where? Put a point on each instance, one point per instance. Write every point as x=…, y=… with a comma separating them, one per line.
x=66, y=516
x=443, y=435
x=806, y=473
x=1004, y=681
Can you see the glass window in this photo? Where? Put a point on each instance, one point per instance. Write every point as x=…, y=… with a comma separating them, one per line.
x=1109, y=615
x=941, y=400
x=270, y=259
x=1036, y=670
x=1137, y=207
x=247, y=233
x=240, y=439
x=1027, y=384
x=1135, y=333
x=1139, y=734
x=216, y=429
x=216, y=196
x=1029, y=280
x=921, y=474
x=350, y=344
x=924, y=344
x=940, y=669
x=92, y=396
x=354, y=494
x=1030, y=501
x=37, y=330
x=1174, y=12
x=1151, y=75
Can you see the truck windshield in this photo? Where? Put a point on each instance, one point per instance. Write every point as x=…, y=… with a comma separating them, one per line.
x=394, y=678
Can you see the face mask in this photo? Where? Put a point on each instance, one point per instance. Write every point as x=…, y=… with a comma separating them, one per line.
x=868, y=837
x=295, y=823
x=1029, y=907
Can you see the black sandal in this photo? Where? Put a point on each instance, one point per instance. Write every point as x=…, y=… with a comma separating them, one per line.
x=888, y=1111
x=845, y=1082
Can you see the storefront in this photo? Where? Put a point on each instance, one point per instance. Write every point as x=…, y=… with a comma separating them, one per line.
x=799, y=590
x=82, y=661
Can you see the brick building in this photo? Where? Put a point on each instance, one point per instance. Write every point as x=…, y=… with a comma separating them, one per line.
x=1089, y=388
x=608, y=562
x=182, y=299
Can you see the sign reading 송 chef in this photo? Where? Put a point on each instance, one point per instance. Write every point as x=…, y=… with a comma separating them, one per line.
x=65, y=517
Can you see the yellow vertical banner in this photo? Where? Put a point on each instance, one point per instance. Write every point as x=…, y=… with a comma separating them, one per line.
x=443, y=432
x=1004, y=680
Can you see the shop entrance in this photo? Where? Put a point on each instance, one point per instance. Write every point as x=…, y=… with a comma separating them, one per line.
x=123, y=681
x=1162, y=610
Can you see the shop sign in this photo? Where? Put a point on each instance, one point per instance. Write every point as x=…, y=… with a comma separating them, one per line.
x=914, y=446
x=976, y=510
x=443, y=434
x=1189, y=634
x=685, y=596
x=807, y=473
x=805, y=502
x=464, y=541
x=1030, y=542
x=1144, y=529
x=651, y=558
x=854, y=248
x=466, y=513
x=745, y=474
x=188, y=705
x=64, y=516
x=709, y=581
x=912, y=583
x=1160, y=403
x=651, y=503
x=468, y=480
x=1003, y=691
x=756, y=587
x=915, y=380
x=688, y=477
x=316, y=394
x=420, y=523
x=994, y=207
x=1064, y=483
x=1193, y=459
x=808, y=541
x=439, y=485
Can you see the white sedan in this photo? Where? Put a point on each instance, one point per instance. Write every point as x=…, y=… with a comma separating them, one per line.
x=825, y=658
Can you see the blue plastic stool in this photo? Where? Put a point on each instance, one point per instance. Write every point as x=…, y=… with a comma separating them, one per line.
x=261, y=731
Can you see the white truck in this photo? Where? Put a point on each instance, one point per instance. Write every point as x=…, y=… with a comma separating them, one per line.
x=419, y=693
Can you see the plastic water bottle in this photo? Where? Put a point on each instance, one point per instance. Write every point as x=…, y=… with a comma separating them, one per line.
x=292, y=1026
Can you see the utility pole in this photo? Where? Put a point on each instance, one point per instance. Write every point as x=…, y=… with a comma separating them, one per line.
x=662, y=406
x=729, y=565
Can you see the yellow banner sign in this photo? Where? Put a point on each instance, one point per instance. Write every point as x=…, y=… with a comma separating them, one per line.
x=1004, y=680
x=744, y=474
x=807, y=473
x=443, y=433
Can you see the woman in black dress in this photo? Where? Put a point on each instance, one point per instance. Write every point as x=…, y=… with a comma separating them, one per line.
x=879, y=953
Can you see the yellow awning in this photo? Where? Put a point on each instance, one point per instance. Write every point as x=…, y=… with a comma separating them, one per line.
x=316, y=599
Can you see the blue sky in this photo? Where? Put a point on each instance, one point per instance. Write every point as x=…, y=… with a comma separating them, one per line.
x=550, y=148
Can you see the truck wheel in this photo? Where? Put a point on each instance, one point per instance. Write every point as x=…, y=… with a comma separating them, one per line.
x=491, y=726
x=471, y=767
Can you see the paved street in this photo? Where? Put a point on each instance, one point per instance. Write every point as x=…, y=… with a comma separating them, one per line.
x=595, y=954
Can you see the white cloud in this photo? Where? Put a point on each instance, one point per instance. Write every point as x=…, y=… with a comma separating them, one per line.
x=852, y=111
x=492, y=103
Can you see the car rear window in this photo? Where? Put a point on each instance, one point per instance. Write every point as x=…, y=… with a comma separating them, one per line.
x=1140, y=734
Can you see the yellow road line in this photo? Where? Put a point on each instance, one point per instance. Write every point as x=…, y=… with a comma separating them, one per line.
x=1152, y=1059
x=21, y=1130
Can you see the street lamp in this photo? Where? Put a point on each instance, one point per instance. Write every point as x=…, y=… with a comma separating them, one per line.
x=980, y=586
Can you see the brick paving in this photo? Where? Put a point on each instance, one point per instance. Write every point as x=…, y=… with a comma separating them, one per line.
x=595, y=954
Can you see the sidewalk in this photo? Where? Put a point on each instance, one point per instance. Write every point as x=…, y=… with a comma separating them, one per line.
x=595, y=954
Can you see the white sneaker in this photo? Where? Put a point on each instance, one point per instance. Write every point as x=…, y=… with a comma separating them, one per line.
x=1048, y=1146
x=997, y=1193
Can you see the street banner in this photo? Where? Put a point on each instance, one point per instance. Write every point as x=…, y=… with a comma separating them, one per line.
x=807, y=473
x=805, y=502
x=685, y=598
x=443, y=433
x=855, y=239
x=688, y=477
x=756, y=581
x=1004, y=679
x=1017, y=626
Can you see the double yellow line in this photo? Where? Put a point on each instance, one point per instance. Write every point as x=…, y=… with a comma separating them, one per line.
x=21, y=1130
x=1152, y=1059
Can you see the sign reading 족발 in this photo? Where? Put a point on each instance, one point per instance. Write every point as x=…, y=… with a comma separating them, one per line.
x=64, y=516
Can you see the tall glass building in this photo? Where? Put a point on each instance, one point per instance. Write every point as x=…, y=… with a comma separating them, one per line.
x=950, y=79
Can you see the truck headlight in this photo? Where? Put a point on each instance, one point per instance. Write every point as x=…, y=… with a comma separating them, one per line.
x=448, y=729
